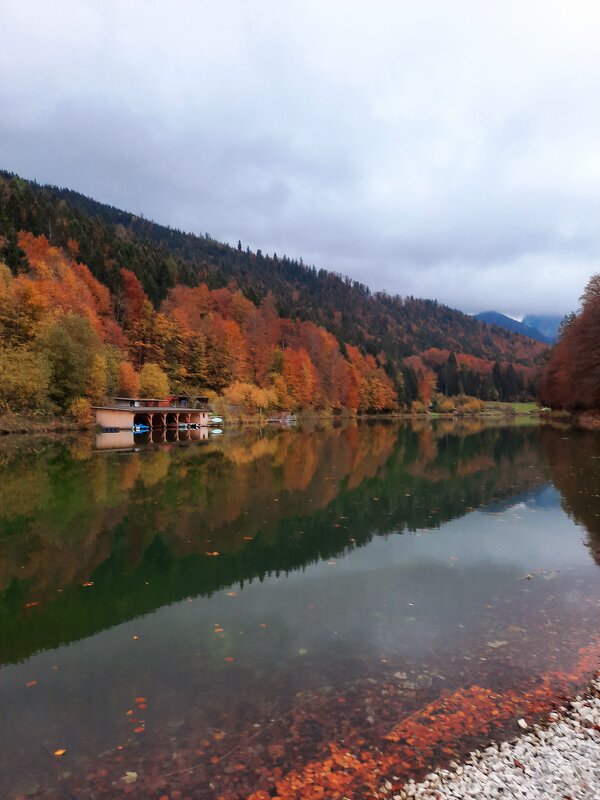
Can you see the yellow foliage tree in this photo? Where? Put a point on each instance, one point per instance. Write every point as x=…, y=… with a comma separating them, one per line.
x=153, y=381
x=97, y=379
x=127, y=380
x=25, y=379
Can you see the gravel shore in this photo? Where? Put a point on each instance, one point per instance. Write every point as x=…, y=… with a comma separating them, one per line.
x=558, y=760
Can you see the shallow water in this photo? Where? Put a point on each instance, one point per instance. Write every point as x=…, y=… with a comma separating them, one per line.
x=217, y=615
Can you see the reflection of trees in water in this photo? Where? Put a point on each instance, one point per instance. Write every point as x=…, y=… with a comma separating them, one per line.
x=574, y=461
x=264, y=504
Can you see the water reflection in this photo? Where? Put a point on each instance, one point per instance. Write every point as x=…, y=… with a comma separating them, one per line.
x=262, y=577
x=273, y=503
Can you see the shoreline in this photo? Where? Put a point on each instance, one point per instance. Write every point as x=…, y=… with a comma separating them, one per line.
x=16, y=424
x=558, y=757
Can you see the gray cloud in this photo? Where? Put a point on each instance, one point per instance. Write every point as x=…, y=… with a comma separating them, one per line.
x=442, y=150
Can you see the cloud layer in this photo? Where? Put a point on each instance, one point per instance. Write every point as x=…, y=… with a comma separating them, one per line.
x=439, y=149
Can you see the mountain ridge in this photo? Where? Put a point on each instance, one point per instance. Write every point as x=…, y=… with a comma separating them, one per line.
x=513, y=325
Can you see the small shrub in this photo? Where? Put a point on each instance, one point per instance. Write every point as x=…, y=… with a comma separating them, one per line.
x=418, y=407
x=81, y=413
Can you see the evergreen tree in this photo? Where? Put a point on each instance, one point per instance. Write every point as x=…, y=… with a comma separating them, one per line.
x=11, y=253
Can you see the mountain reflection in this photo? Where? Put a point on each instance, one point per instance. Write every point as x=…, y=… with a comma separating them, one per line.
x=149, y=527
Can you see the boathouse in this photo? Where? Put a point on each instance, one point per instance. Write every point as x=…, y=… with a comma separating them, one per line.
x=166, y=412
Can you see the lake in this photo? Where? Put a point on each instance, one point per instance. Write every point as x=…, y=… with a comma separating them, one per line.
x=288, y=613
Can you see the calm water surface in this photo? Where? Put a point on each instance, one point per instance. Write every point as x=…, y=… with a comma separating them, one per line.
x=214, y=614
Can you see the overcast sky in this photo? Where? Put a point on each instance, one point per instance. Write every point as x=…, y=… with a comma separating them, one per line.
x=441, y=149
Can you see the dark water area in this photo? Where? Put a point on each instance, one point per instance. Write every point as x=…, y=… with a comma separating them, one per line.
x=222, y=617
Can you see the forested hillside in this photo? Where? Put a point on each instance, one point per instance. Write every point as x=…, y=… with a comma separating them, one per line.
x=571, y=379
x=212, y=316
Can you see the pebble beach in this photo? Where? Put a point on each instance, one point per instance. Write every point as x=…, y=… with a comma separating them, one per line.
x=560, y=759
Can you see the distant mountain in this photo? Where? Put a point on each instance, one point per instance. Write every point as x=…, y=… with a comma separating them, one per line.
x=513, y=325
x=548, y=324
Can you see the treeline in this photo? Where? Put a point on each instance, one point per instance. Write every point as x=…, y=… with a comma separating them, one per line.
x=571, y=378
x=67, y=342
x=388, y=328
x=439, y=374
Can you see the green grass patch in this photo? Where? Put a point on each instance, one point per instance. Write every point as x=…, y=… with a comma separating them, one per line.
x=496, y=407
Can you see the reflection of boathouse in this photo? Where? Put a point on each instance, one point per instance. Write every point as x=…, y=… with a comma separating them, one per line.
x=169, y=412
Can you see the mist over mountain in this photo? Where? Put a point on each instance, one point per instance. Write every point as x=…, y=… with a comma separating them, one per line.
x=513, y=325
x=548, y=324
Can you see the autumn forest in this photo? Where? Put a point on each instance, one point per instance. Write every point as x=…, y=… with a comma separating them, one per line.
x=95, y=302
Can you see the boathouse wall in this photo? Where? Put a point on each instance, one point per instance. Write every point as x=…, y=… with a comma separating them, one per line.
x=125, y=418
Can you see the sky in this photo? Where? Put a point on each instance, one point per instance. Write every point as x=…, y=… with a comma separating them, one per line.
x=435, y=149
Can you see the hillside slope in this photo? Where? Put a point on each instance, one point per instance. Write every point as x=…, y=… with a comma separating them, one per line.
x=109, y=239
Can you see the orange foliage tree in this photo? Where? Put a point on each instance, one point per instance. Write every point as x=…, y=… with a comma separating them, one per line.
x=571, y=379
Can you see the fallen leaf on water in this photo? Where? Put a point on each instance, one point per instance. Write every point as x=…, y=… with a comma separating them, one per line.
x=60, y=752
